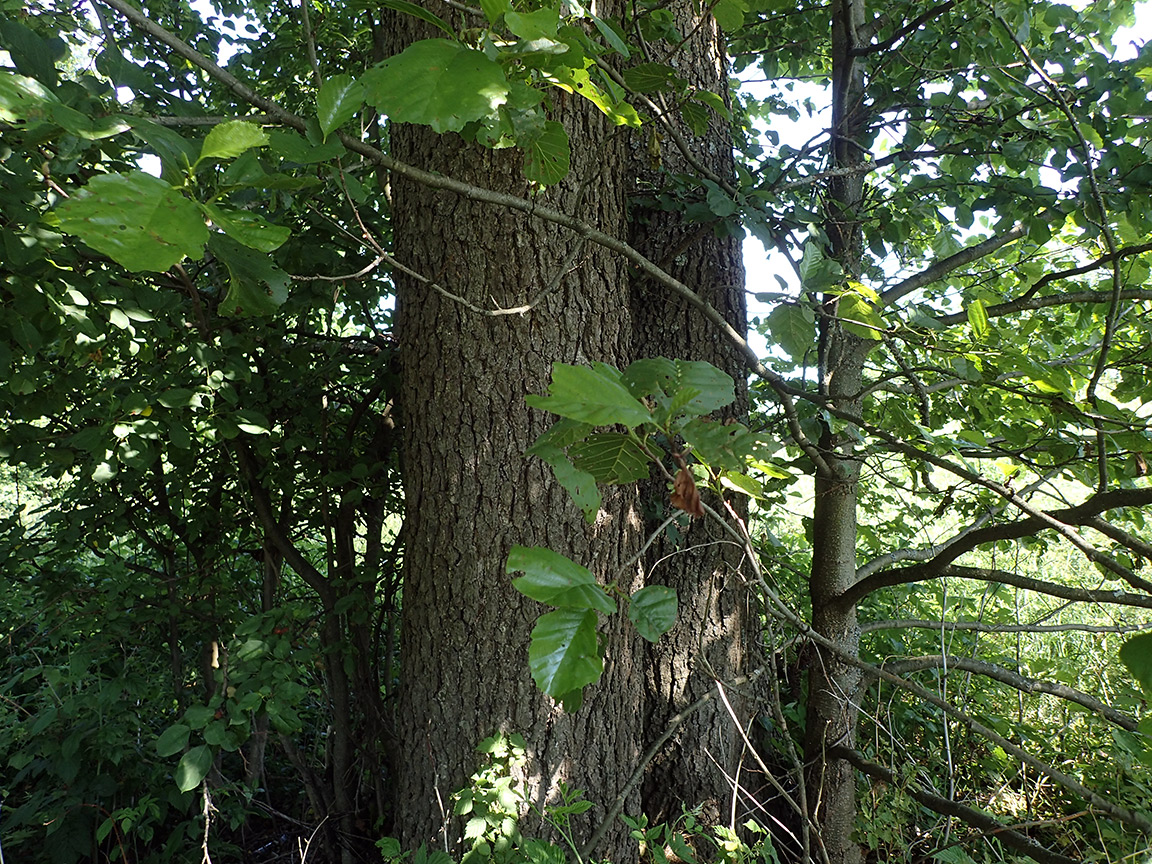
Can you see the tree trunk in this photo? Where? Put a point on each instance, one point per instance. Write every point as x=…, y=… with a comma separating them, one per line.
x=716, y=622
x=834, y=686
x=471, y=493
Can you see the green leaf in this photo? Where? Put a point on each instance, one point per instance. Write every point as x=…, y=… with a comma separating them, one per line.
x=558, y=581
x=580, y=82
x=230, y=139
x=540, y=24
x=420, y=12
x=247, y=228
x=563, y=655
x=193, y=766
x=137, y=220
x=493, y=9
x=653, y=611
x=611, y=37
x=792, y=327
x=172, y=740
x=593, y=396
x=978, y=319
x=860, y=316
x=610, y=457
x=579, y=484
x=742, y=483
x=30, y=53
x=256, y=285
x=177, y=154
x=652, y=78
x=725, y=446
x=23, y=98
x=729, y=14
x=547, y=156
x=700, y=386
x=295, y=148
x=713, y=101
x=338, y=101
x=438, y=83
x=1136, y=654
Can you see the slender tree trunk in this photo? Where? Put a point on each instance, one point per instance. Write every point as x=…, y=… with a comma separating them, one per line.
x=716, y=622
x=834, y=686
x=471, y=493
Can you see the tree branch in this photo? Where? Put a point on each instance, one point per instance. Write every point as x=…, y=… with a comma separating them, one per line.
x=1081, y=514
x=1028, y=302
x=1013, y=679
x=977, y=819
x=984, y=627
x=953, y=262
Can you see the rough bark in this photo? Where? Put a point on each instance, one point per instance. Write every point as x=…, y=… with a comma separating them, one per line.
x=716, y=623
x=471, y=493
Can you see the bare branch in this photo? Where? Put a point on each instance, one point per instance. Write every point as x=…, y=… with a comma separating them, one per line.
x=1013, y=679
x=976, y=818
x=984, y=627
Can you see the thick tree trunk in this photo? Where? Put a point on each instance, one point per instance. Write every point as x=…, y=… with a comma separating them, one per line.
x=717, y=622
x=834, y=686
x=470, y=491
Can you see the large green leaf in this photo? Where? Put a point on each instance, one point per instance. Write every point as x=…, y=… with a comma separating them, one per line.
x=653, y=611
x=696, y=387
x=436, y=82
x=610, y=457
x=250, y=229
x=172, y=740
x=193, y=766
x=727, y=446
x=860, y=316
x=591, y=395
x=137, y=220
x=256, y=286
x=792, y=327
x=563, y=654
x=337, y=102
x=547, y=156
x=230, y=139
x=579, y=484
x=558, y=581
x=1136, y=654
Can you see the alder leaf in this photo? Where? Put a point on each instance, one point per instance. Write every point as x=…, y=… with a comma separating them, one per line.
x=193, y=766
x=558, y=581
x=1136, y=654
x=563, y=655
x=337, y=102
x=229, y=140
x=137, y=220
x=438, y=83
x=547, y=157
x=610, y=457
x=592, y=395
x=653, y=611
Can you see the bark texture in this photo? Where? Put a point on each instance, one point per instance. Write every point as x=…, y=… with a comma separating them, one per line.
x=834, y=686
x=471, y=493
x=716, y=624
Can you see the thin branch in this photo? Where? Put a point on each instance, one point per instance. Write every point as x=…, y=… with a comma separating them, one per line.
x=911, y=27
x=914, y=574
x=1062, y=520
x=953, y=262
x=1028, y=303
x=983, y=627
x=1020, y=682
x=976, y=818
x=638, y=773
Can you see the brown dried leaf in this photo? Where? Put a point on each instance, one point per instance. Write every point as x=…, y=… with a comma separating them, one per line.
x=685, y=495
